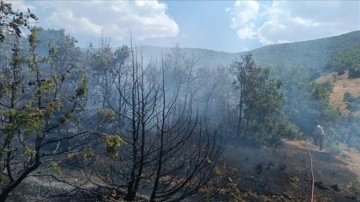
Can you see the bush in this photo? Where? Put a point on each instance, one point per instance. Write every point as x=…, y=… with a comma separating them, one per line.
x=352, y=102
x=333, y=146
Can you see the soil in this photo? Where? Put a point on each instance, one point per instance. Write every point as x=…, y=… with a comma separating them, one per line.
x=251, y=173
x=285, y=174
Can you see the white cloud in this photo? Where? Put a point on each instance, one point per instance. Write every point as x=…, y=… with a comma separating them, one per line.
x=115, y=19
x=75, y=24
x=242, y=13
x=288, y=21
x=305, y=22
x=247, y=32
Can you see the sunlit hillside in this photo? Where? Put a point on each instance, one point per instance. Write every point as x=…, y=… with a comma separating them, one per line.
x=342, y=84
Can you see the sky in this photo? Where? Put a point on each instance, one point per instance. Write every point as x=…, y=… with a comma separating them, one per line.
x=220, y=25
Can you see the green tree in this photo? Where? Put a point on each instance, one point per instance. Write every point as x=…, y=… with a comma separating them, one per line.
x=101, y=60
x=36, y=111
x=259, y=102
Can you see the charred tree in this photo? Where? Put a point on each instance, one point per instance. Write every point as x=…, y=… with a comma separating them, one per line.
x=169, y=155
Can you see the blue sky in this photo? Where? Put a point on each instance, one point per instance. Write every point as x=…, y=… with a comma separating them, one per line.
x=230, y=26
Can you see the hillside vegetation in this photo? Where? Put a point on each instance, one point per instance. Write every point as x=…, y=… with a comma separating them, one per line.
x=346, y=60
x=345, y=94
x=313, y=54
x=341, y=85
x=154, y=124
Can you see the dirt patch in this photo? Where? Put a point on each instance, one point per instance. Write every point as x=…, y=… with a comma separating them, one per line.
x=284, y=174
x=342, y=84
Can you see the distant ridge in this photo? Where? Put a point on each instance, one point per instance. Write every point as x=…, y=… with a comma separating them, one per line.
x=310, y=54
x=313, y=54
x=205, y=58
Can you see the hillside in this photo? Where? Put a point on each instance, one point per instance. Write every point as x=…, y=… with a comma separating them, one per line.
x=312, y=54
x=285, y=174
x=204, y=58
x=154, y=137
x=258, y=174
x=341, y=85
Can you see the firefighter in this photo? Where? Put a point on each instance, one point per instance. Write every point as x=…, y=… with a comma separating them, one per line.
x=319, y=136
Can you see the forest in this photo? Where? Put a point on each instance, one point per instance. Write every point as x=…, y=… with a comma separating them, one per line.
x=119, y=124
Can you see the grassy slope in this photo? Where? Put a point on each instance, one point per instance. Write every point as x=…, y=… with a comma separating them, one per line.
x=342, y=84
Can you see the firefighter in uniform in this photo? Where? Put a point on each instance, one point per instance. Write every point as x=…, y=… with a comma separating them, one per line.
x=319, y=136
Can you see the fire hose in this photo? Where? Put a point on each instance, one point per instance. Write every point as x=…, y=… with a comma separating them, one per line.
x=312, y=175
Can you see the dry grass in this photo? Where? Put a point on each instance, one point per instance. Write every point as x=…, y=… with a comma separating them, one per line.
x=350, y=156
x=342, y=84
x=293, y=182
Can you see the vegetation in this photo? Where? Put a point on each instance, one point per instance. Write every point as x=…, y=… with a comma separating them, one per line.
x=305, y=101
x=168, y=152
x=38, y=106
x=13, y=21
x=259, y=103
x=348, y=59
x=153, y=127
x=352, y=102
x=312, y=55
